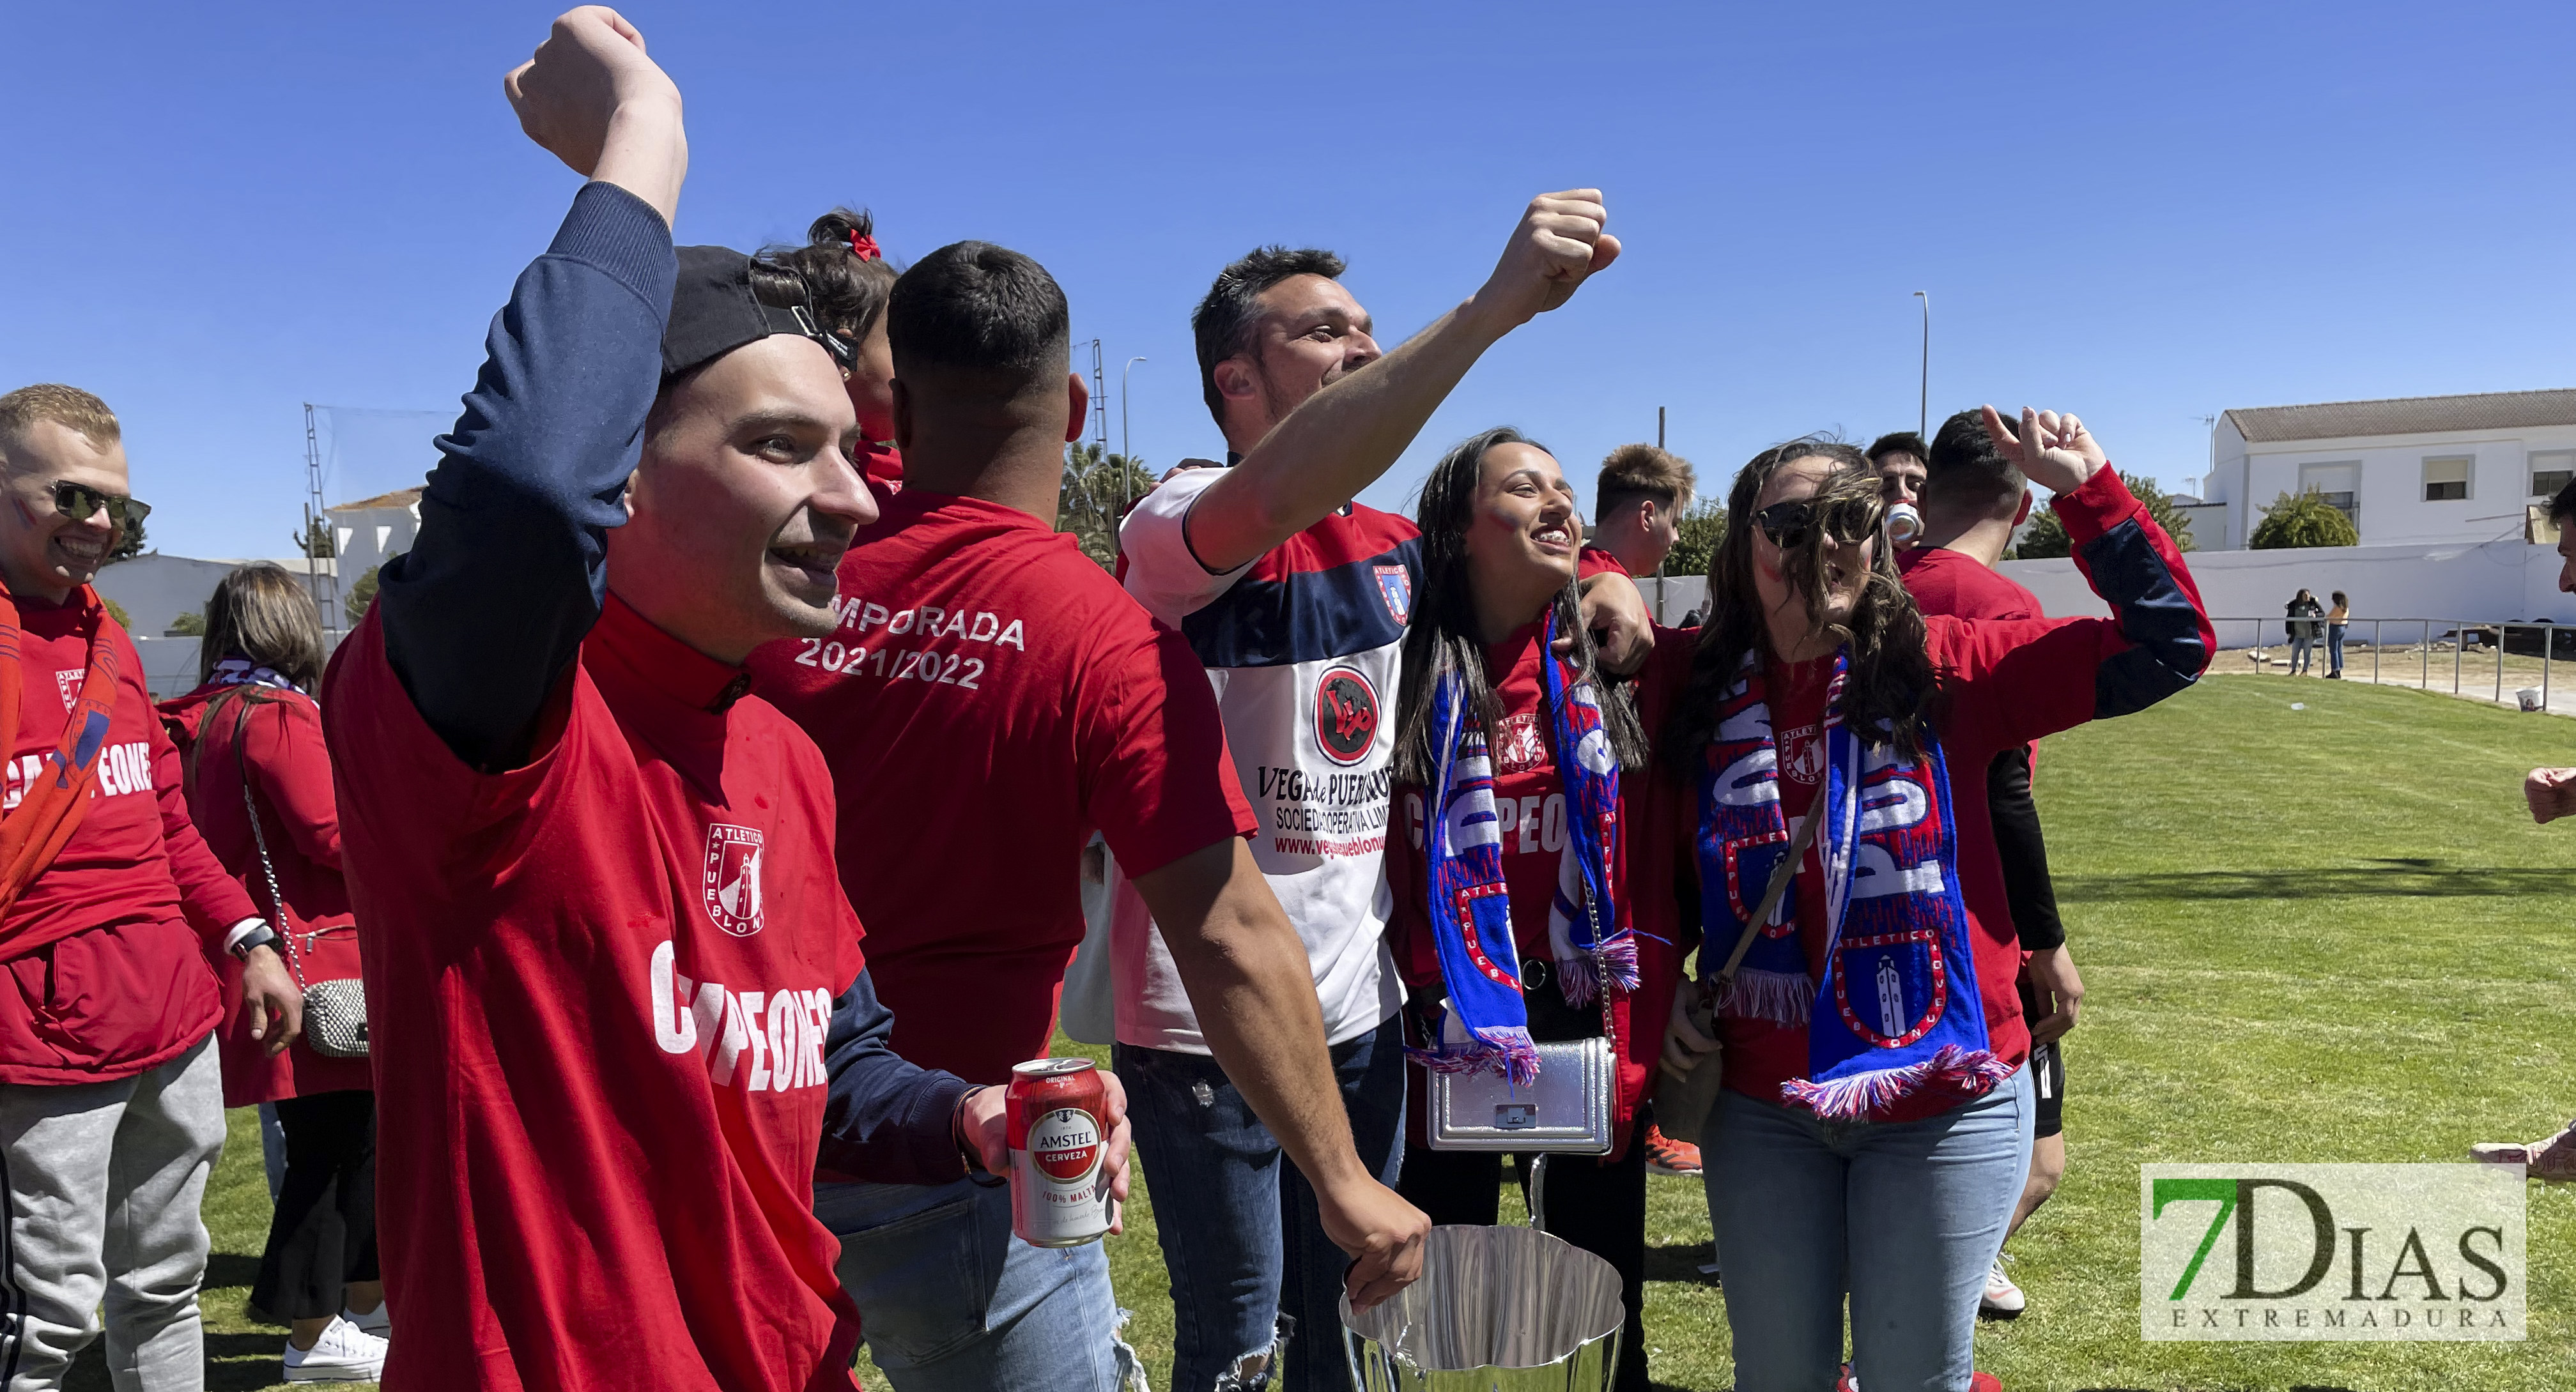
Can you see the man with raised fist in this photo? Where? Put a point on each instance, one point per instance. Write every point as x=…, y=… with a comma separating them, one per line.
x=1294, y=598
x=615, y=991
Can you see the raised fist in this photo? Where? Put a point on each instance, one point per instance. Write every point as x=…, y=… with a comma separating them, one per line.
x=2056, y=452
x=589, y=69
x=1559, y=243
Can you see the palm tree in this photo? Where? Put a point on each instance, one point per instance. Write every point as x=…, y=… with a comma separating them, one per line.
x=1099, y=487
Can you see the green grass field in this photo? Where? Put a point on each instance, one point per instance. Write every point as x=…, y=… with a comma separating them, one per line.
x=2328, y=934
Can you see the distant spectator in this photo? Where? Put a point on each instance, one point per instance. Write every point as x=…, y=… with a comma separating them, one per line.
x=2338, y=619
x=2302, y=615
x=251, y=737
x=1638, y=503
x=1899, y=459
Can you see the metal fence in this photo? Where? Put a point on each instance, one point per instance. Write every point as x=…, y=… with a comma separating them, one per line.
x=2467, y=646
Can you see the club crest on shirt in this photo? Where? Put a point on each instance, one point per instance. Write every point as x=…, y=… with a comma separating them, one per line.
x=1518, y=749
x=733, y=878
x=1395, y=586
x=1804, y=752
x=1345, y=715
x=70, y=681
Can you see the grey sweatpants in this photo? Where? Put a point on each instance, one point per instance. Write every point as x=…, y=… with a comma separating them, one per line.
x=103, y=1184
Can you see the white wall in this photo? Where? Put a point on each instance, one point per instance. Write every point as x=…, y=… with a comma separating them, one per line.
x=2498, y=582
x=155, y=589
x=2392, y=509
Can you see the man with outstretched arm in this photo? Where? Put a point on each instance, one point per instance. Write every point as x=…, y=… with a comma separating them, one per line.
x=987, y=674
x=1294, y=598
x=616, y=995
x=1972, y=497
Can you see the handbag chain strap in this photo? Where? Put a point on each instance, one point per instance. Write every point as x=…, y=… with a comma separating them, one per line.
x=285, y=931
x=1780, y=877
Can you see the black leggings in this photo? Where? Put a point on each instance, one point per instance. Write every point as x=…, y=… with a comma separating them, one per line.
x=323, y=1234
x=1599, y=1208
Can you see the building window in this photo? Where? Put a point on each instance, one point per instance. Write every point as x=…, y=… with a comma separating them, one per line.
x=2338, y=483
x=2551, y=470
x=2446, y=477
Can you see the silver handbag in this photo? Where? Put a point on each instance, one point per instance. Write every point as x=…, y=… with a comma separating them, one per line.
x=335, y=1011
x=1566, y=1110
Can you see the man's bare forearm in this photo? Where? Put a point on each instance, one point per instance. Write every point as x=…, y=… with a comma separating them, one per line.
x=1248, y=979
x=1337, y=443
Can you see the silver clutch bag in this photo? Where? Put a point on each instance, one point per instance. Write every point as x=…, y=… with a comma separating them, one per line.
x=335, y=1018
x=1566, y=1110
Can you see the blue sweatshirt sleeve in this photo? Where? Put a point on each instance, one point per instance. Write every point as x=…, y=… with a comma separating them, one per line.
x=486, y=612
x=885, y=1121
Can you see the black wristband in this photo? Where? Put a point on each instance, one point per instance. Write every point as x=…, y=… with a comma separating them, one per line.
x=261, y=936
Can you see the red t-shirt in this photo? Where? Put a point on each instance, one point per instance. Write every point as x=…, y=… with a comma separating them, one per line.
x=882, y=463
x=992, y=697
x=108, y=975
x=1592, y=560
x=598, y=986
x=1530, y=803
x=1944, y=581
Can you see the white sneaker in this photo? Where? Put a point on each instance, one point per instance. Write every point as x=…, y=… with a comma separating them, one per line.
x=2002, y=1299
x=344, y=1353
x=378, y=1321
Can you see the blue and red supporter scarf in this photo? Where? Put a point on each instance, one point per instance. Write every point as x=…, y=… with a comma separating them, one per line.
x=1486, y=1022
x=1898, y=1013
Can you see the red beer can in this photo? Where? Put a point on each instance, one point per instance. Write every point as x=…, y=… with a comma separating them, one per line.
x=1057, y=1115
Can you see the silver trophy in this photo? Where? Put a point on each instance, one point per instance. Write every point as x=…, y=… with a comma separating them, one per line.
x=1496, y=1310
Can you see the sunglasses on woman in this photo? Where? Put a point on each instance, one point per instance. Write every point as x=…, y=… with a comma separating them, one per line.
x=1849, y=520
x=80, y=503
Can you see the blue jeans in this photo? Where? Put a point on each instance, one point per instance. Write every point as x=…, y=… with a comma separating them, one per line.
x=1239, y=1227
x=2334, y=649
x=2301, y=646
x=1907, y=1216
x=950, y=1301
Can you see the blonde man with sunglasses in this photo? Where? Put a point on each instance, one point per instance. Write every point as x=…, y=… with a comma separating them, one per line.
x=111, y=1099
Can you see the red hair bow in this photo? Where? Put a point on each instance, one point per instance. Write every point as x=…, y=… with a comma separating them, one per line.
x=863, y=246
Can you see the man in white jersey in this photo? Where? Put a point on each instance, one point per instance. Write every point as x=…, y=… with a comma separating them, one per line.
x=1295, y=599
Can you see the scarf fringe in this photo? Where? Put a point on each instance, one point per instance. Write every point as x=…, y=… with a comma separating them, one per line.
x=1968, y=1072
x=1580, y=978
x=1783, y=998
x=1502, y=1049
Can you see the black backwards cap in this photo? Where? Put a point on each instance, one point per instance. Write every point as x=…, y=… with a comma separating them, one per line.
x=714, y=311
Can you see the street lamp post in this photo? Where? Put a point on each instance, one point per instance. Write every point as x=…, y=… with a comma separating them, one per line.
x=1923, y=403
x=1126, y=442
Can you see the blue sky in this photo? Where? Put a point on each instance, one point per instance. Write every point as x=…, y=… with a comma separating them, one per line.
x=2146, y=214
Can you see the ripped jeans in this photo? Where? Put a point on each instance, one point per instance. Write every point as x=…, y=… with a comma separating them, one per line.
x=1223, y=1192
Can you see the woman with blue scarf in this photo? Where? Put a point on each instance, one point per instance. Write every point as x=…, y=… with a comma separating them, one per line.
x=1521, y=788
x=1874, y=1122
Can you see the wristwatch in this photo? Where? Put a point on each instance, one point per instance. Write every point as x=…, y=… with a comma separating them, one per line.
x=261, y=936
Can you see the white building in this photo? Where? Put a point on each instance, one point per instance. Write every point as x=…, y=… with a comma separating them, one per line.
x=154, y=589
x=2423, y=470
x=372, y=531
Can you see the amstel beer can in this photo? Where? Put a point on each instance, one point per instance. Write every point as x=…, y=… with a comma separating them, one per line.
x=1056, y=1111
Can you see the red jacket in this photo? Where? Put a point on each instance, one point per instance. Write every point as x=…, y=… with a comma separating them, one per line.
x=279, y=737
x=131, y=912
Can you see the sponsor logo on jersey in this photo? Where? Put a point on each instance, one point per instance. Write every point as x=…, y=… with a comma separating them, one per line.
x=733, y=878
x=1345, y=715
x=1519, y=748
x=1804, y=749
x=70, y=681
x=1395, y=586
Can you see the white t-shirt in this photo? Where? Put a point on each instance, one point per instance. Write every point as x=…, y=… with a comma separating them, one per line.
x=1302, y=648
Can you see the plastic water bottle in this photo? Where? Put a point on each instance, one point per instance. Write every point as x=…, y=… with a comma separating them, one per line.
x=1904, y=524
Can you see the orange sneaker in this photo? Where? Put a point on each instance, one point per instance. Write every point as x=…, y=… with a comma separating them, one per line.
x=1664, y=1155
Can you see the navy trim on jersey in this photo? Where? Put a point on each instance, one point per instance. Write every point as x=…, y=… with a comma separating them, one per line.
x=1302, y=616
x=2154, y=613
